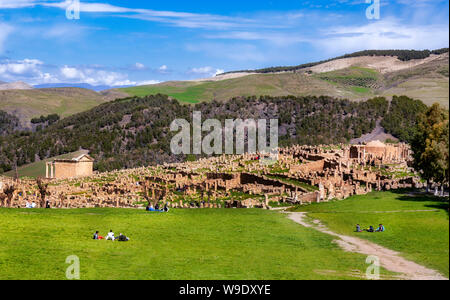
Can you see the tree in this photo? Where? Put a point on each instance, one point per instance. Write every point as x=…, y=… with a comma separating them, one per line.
x=43, y=191
x=156, y=194
x=7, y=195
x=431, y=145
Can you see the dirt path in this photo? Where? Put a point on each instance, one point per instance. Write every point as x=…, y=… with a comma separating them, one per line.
x=379, y=133
x=389, y=259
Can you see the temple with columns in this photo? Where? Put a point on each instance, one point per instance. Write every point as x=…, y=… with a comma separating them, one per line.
x=81, y=166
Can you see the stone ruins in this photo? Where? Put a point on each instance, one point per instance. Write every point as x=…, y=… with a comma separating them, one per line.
x=80, y=166
x=300, y=175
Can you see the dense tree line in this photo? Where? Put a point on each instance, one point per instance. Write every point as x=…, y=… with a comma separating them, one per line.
x=431, y=145
x=135, y=132
x=8, y=123
x=49, y=120
x=403, y=117
x=403, y=55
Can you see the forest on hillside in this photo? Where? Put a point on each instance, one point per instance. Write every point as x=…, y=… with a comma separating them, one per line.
x=135, y=132
x=403, y=55
x=8, y=123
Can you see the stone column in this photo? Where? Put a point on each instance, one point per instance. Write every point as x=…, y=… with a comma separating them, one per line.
x=46, y=170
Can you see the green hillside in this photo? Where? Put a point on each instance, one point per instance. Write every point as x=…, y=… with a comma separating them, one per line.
x=428, y=82
x=27, y=104
x=135, y=132
x=253, y=85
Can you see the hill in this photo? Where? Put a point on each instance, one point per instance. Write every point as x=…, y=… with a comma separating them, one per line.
x=28, y=104
x=134, y=132
x=97, y=88
x=19, y=85
x=354, y=78
x=400, y=55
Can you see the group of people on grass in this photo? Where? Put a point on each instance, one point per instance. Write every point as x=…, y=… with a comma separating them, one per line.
x=30, y=205
x=157, y=208
x=381, y=228
x=111, y=237
x=34, y=205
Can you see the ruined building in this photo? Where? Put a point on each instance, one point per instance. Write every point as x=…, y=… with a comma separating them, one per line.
x=81, y=166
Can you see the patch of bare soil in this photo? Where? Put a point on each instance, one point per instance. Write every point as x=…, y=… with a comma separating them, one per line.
x=383, y=64
x=224, y=77
x=378, y=134
x=389, y=259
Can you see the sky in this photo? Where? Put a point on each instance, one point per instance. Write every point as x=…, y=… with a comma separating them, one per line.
x=118, y=42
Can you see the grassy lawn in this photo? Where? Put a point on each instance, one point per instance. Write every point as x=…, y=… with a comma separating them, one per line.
x=183, y=244
x=420, y=236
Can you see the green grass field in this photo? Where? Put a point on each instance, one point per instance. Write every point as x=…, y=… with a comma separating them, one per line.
x=183, y=244
x=228, y=244
x=417, y=226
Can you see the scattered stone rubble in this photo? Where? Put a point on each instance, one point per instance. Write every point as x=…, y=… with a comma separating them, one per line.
x=300, y=175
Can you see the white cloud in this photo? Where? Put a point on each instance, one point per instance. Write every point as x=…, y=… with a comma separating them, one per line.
x=163, y=68
x=21, y=67
x=16, y=3
x=219, y=71
x=94, y=76
x=280, y=39
x=148, y=82
x=34, y=71
x=384, y=34
x=139, y=66
x=206, y=71
x=29, y=70
x=179, y=19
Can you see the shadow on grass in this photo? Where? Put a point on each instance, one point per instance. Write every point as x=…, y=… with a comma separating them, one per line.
x=414, y=195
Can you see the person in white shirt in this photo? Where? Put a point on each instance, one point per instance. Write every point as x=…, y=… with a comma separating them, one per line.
x=110, y=236
x=28, y=205
x=33, y=205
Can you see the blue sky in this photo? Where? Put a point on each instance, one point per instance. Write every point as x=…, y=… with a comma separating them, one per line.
x=118, y=42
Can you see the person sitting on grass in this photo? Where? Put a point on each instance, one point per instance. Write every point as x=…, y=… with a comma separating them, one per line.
x=358, y=228
x=371, y=229
x=381, y=228
x=152, y=209
x=97, y=237
x=28, y=205
x=166, y=208
x=110, y=236
x=123, y=238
